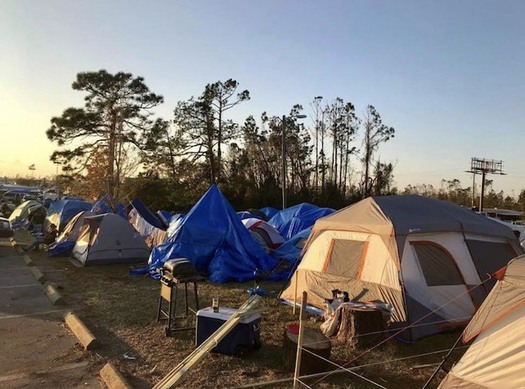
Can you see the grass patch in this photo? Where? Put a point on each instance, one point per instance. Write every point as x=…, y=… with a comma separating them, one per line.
x=121, y=311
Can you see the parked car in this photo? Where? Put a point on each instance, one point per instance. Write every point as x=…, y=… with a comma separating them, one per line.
x=5, y=228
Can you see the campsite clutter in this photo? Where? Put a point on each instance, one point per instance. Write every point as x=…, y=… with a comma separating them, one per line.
x=404, y=265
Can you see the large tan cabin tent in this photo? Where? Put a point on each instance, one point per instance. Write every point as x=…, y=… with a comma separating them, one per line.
x=496, y=358
x=421, y=255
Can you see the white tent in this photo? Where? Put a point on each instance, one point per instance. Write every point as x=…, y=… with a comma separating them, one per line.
x=24, y=210
x=422, y=256
x=496, y=358
x=109, y=239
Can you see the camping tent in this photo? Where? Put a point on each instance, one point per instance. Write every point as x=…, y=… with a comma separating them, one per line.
x=423, y=256
x=495, y=358
x=60, y=212
x=214, y=239
x=23, y=210
x=72, y=228
x=107, y=239
x=263, y=233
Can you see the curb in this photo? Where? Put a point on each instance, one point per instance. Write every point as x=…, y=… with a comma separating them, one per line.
x=40, y=277
x=28, y=260
x=54, y=296
x=113, y=378
x=84, y=336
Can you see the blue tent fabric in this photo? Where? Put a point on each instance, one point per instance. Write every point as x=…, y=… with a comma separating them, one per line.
x=147, y=215
x=213, y=237
x=173, y=228
x=121, y=211
x=290, y=252
x=269, y=212
x=294, y=219
x=165, y=216
x=102, y=206
x=245, y=215
x=62, y=249
x=66, y=209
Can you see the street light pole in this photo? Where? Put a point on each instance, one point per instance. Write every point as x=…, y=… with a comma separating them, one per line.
x=283, y=154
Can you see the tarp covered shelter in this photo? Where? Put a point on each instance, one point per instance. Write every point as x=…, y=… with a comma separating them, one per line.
x=294, y=219
x=496, y=358
x=60, y=212
x=109, y=239
x=421, y=255
x=150, y=225
x=213, y=237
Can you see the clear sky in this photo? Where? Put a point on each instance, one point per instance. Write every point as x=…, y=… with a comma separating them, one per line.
x=448, y=75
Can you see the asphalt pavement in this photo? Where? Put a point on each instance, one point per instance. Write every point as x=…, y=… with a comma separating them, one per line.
x=36, y=350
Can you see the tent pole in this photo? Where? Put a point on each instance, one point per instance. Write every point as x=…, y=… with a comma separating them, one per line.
x=443, y=361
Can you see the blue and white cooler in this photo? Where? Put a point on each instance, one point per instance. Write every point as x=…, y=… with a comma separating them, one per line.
x=243, y=338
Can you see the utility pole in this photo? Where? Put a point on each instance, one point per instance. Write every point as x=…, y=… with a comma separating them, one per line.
x=483, y=166
x=283, y=155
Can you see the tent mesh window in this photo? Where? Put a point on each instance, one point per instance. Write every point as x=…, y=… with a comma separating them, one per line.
x=344, y=257
x=437, y=265
x=489, y=257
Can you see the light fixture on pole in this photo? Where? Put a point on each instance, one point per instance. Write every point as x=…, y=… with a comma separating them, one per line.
x=283, y=154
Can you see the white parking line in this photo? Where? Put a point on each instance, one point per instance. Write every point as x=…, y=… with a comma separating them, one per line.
x=18, y=286
x=19, y=376
x=35, y=313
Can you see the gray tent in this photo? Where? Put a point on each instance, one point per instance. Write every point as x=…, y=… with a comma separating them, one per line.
x=109, y=239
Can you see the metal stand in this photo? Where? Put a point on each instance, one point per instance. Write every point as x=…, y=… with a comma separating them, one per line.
x=169, y=293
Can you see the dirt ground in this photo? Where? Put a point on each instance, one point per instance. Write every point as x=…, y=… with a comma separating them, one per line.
x=121, y=311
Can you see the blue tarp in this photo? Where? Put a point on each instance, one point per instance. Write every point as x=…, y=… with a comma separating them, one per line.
x=213, y=237
x=173, y=228
x=102, y=206
x=148, y=215
x=62, y=249
x=121, y=211
x=65, y=210
x=165, y=216
x=289, y=253
x=269, y=212
x=250, y=214
x=291, y=221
